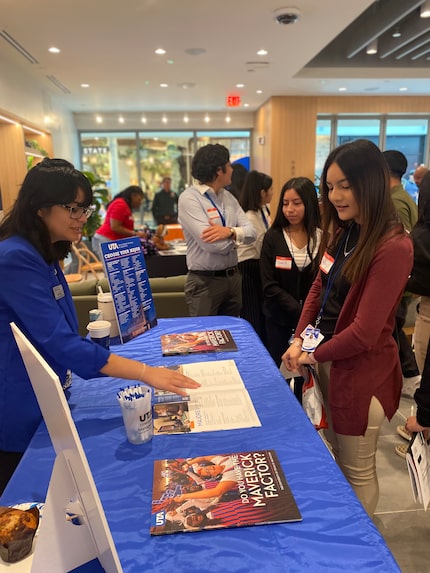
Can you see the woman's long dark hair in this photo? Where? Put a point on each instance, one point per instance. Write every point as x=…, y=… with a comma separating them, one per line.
x=51, y=182
x=367, y=173
x=312, y=219
x=250, y=196
x=127, y=194
x=424, y=200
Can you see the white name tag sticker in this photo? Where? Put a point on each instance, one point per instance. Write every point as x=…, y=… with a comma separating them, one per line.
x=284, y=263
x=58, y=292
x=213, y=213
x=326, y=263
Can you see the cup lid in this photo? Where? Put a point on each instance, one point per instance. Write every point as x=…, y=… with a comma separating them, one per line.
x=104, y=297
x=98, y=325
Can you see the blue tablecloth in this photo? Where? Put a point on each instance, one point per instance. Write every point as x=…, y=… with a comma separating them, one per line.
x=335, y=535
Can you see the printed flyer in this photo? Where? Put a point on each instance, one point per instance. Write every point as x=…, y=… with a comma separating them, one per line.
x=129, y=284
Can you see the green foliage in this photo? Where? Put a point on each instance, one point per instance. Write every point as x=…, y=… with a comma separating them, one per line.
x=33, y=144
x=100, y=198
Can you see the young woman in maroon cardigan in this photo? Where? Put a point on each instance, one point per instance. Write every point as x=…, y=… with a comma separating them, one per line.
x=367, y=258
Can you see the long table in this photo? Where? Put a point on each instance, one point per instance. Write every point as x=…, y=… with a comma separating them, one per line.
x=335, y=535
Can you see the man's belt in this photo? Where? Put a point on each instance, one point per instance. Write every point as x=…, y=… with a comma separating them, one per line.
x=222, y=273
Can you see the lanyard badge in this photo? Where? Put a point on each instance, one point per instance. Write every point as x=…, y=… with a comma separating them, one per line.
x=311, y=338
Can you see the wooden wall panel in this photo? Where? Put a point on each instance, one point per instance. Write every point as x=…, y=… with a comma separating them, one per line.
x=373, y=104
x=293, y=141
x=12, y=162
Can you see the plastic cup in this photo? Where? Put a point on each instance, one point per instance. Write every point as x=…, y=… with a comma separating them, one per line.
x=95, y=314
x=100, y=332
x=137, y=416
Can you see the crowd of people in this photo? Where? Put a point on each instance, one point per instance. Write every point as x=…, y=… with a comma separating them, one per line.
x=342, y=268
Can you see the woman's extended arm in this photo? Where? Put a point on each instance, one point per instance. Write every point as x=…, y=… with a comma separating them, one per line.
x=162, y=378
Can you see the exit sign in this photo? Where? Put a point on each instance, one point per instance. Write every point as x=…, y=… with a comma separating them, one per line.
x=233, y=100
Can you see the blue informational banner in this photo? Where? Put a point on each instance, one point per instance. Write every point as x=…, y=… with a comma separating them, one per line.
x=129, y=284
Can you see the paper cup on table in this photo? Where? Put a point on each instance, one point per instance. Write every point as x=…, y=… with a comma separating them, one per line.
x=135, y=402
x=105, y=304
x=100, y=332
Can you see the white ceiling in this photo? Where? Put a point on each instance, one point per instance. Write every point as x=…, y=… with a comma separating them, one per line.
x=110, y=45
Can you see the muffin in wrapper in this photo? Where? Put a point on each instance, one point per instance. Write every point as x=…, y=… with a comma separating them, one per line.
x=17, y=530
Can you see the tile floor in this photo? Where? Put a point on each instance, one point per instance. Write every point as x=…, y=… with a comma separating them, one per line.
x=404, y=524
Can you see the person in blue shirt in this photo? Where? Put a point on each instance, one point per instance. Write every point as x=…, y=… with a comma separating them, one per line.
x=52, y=206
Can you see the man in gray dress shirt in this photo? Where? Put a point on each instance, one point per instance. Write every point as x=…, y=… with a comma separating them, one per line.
x=213, y=223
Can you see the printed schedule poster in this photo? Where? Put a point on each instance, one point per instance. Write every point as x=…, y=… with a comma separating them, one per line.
x=129, y=284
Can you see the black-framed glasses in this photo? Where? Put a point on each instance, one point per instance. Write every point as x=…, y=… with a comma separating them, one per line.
x=77, y=212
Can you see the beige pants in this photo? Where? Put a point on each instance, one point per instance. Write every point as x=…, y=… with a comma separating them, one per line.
x=356, y=455
x=422, y=332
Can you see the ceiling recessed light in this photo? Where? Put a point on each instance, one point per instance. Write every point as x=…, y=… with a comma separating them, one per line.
x=186, y=85
x=240, y=85
x=372, y=48
x=160, y=51
x=186, y=119
x=164, y=119
x=143, y=119
x=396, y=32
x=262, y=53
x=228, y=119
x=207, y=118
x=425, y=9
x=99, y=119
x=342, y=89
x=246, y=105
x=259, y=91
x=85, y=85
x=403, y=89
x=195, y=51
x=121, y=119
x=54, y=50
x=164, y=85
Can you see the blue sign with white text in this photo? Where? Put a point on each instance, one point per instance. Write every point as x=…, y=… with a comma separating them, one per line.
x=129, y=284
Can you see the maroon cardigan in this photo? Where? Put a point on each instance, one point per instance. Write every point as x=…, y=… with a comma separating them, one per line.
x=363, y=352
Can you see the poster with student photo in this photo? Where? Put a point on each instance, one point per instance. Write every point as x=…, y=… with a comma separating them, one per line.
x=129, y=284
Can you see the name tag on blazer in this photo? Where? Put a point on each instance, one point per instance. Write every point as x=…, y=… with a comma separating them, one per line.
x=58, y=291
x=284, y=263
x=326, y=263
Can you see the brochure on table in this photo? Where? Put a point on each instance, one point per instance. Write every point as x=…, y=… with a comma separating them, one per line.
x=129, y=284
x=222, y=490
x=418, y=463
x=221, y=403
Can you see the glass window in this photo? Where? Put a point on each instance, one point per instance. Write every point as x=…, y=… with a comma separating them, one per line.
x=112, y=157
x=349, y=129
x=143, y=158
x=410, y=137
x=237, y=142
x=322, y=148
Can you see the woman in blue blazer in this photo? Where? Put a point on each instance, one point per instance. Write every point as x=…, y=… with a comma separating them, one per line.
x=52, y=206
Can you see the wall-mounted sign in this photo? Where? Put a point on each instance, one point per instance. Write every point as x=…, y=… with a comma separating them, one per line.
x=233, y=101
x=95, y=150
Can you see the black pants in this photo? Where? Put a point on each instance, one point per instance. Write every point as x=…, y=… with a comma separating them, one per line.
x=406, y=354
x=8, y=463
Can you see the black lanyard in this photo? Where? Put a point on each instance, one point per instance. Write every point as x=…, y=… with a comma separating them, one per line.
x=333, y=275
x=221, y=216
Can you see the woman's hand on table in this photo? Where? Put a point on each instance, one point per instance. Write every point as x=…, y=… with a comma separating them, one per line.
x=170, y=380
